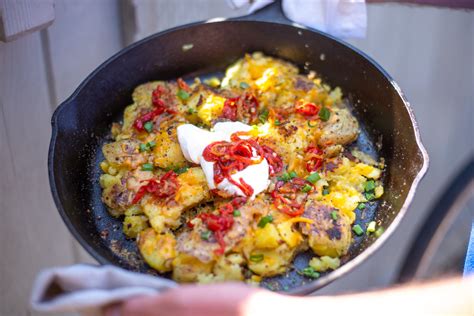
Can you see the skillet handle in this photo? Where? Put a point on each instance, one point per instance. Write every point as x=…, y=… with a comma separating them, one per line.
x=271, y=13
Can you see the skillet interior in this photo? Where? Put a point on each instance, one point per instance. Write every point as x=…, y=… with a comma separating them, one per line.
x=81, y=125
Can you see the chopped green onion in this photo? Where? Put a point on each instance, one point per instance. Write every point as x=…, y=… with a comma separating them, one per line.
x=357, y=229
x=256, y=258
x=334, y=215
x=313, y=178
x=293, y=174
x=309, y=272
x=191, y=111
x=311, y=125
x=244, y=85
x=183, y=95
x=148, y=126
x=180, y=170
x=361, y=206
x=236, y=213
x=306, y=188
x=205, y=235
x=379, y=232
x=369, y=185
x=263, y=115
x=371, y=227
x=324, y=114
x=284, y=177
x=264, y=221
x=143, y=147
x=277, y=122
x=147, y=167
x=325, y=191
x=369, y=196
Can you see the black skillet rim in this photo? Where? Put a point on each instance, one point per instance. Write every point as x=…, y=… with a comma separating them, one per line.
x=305, y=289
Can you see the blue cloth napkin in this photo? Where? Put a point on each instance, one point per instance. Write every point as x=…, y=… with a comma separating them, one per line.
x=469, y=264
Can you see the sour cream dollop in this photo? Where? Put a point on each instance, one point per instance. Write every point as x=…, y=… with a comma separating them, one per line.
x=193, y=140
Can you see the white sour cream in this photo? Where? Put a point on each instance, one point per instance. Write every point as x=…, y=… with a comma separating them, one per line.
x=193, y=140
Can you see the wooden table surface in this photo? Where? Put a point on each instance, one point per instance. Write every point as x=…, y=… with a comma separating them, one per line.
x=429, y=51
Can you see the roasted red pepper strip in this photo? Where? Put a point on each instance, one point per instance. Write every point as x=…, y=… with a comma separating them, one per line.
x=285, y=196
x=232, y=157
x=314, y=158
x=183, y=85
x=220, y=223
x=307, y=109
x=164, y=188
x=244, y=107
x=160, y=108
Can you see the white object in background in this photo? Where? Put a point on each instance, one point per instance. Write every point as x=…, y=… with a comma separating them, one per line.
x=340, y=18
x=88, y=289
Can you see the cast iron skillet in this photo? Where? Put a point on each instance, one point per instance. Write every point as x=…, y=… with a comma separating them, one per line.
x=82, y=124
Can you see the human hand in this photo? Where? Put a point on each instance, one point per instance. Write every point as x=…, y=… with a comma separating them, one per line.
x=231, y=299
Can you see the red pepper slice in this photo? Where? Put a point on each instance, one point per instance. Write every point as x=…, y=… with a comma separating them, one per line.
x=314, y=158
x=165, y=187
x=308, y=109
x=160, y=107
x=183, y=85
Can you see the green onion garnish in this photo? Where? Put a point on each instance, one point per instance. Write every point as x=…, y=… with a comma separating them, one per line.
x=148, y=126
x=205, y=235
x=309, y=272
x=236, y=213
x=264, y=221
x=369, y=196
x=313, y=178
x=361, y=206
x=293, y=174
x=277, y=122
x=369, y=185
x=334, y=215
x=357, y=229
x=325, y=191
x=263, y=115
x=311, y=125
x=180, y=170
x=183, y=95
x=371, y=227
x=143, y=147
x=191, y=111
x=379, y=232
x=256, y=258
x=147, y=167
x=284, y=177
x=306, y=188
x=324, y=114
x=244, y=85
x=151, y=144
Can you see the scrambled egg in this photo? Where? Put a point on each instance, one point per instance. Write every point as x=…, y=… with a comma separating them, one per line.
x=263, y=239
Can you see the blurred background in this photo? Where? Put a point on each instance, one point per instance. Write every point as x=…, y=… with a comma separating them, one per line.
x=428, y=50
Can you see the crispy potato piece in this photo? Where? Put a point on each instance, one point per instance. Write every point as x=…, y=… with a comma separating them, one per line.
x=167, y=152
x=342, y=128
x=192, y=189
x=123, y=153
x=134, y=224
x=274, y=261
x=326, y=236
x=186, y=268
x=158, y=250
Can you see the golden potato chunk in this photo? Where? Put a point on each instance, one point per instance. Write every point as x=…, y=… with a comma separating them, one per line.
x=326, y=236
x=158, y=250
x=187, y=268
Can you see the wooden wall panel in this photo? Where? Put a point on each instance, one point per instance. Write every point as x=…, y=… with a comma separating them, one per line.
x=32, y=234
